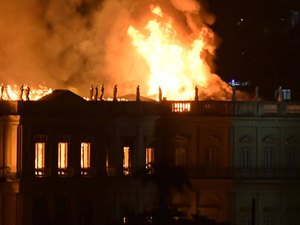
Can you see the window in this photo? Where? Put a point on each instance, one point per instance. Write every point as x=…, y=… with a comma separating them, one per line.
x=40, y=159
x=246, y=159
x=269, y=221
x=181, y=107
x=126, y=161
x=246, y=220
x=180, y=156
x=109, y=170
x=62, y=211
x=294, y=18
x=149, y=158
x=292, y=159
x=210, y=157
x=85, y=158
x=268, y=157
x=40, y=212
x=62, y=158
x=86, y=212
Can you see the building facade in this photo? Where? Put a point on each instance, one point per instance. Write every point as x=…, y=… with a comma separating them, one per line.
x=65, y=160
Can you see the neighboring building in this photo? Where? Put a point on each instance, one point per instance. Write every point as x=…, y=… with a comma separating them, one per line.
x=65, y=160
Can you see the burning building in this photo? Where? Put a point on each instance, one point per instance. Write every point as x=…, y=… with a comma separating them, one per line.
x=65, y=160
x=68, y=160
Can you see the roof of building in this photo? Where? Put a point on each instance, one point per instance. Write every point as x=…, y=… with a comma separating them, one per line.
x=61, y=94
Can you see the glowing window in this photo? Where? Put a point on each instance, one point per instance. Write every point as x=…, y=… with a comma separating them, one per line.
x=126, y=161
x=108, y=171
x=149, y=158
x=39, y=159
x=85, y=157
x=62, y=158
x=181, y=107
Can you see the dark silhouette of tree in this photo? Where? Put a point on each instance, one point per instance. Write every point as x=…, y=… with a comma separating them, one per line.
x=166, y=178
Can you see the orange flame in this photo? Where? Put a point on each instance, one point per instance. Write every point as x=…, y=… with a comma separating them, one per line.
x=175, y=63
x=25, y=93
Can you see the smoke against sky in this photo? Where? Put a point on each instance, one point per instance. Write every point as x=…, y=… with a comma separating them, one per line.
x=73, y=43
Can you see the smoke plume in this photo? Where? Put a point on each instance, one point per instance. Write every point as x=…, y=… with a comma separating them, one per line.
x=74, y=43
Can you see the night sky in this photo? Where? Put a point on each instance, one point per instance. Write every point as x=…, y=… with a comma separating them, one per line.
x=259, y=43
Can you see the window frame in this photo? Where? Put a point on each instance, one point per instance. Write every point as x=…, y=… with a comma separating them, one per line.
x=85, y=158
x=245, y=157
x=292, y=158
x=62, y=170
x=269, y=157
x=149, y=158
x=126, y=165
x=39, y=152
x=180, y=151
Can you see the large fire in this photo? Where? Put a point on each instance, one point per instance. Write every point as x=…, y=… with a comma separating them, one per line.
x=176, y=64
x=166, y=50
x=24, y=92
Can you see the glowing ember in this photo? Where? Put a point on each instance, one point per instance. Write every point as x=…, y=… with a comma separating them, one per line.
x=25, y=93
x=176, y=63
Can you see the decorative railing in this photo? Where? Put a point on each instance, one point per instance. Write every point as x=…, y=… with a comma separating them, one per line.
x=219, y=173
x=238, y=173
x=234, y=108
x=192, y=173
x=266, y=173
x=205, y=107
